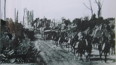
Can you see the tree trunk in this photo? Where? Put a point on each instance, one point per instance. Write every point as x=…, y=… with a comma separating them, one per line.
x=4, y=9
x=99, y=13
x=99, y=4
x=0, y=10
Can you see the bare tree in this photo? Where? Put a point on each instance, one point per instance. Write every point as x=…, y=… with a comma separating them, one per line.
x=89, y=7
x=29, y=16
x=16, y=15
x=99, y=4
x=0, y=11
x=32, y=15
x=4, y=9
x=25, y=10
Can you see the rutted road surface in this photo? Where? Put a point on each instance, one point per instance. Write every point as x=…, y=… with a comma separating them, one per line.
x=53, y=55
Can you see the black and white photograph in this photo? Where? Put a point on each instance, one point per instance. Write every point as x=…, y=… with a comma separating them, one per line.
x=57, y=32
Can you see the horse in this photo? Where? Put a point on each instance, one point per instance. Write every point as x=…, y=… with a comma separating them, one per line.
x=112, y=42
x=61, y=37
x=48, y=34
x=56, y=38
x=73, y=42
x=81, y=48
x=106, y=50
x=62, y=40
x=88, y=39
x=89, y=51
x=100, y=50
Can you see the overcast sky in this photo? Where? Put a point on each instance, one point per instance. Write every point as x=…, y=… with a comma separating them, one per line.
x=59, y=8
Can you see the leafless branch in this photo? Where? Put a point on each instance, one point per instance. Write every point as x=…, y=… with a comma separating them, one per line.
x=90, y=7
x=86, y=6
x=99, y=4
